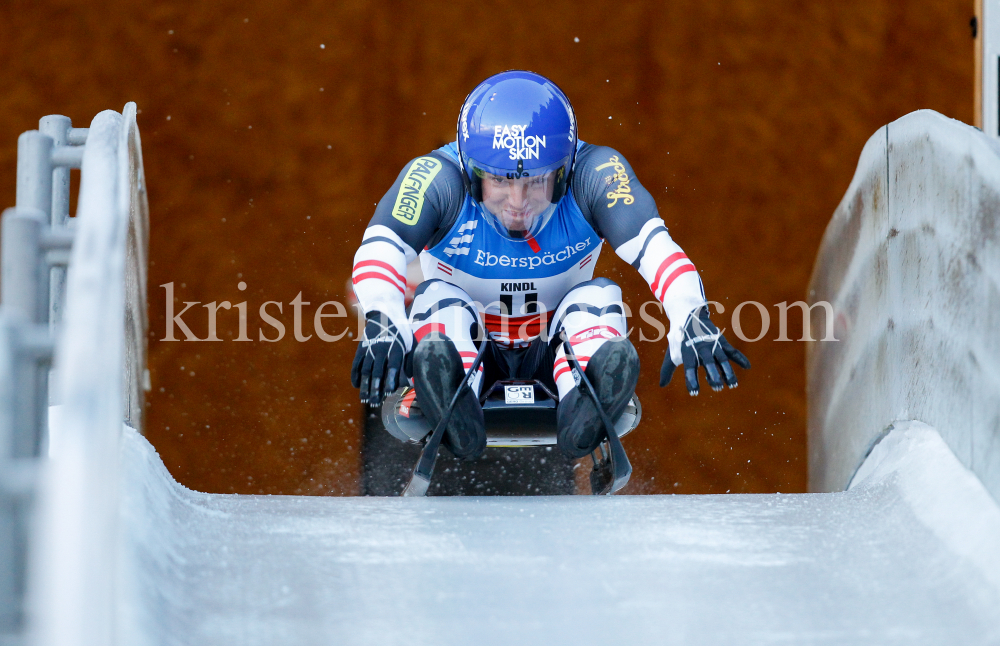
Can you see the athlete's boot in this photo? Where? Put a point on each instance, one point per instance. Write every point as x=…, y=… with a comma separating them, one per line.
x=437, y=374
x=614, y=372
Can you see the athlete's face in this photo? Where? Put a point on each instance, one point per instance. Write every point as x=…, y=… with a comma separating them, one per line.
x=517, y=202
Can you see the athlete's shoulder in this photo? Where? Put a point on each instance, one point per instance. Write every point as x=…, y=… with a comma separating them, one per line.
x=449, y=152
x=591, y=158
x=426, y=197
x=436, y=167
x=598, y=170
x=433, y=179
x=609, y=195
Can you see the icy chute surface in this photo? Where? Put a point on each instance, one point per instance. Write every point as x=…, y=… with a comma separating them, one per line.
x=866, y=566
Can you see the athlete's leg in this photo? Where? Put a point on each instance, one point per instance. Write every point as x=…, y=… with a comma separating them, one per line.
x=590, y=314
x=445, y=308
x=445, y=323
x=592, y=317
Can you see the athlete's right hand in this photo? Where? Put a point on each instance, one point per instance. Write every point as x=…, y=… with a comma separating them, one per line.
x=378, y=363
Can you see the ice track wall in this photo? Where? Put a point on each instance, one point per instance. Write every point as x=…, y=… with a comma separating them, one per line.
x=77, y=560
x=911, y=264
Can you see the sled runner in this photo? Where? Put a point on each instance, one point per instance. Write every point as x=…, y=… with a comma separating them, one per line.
x=518, y=413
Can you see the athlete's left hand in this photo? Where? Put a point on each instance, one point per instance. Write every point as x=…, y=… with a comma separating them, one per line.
x=704, y=345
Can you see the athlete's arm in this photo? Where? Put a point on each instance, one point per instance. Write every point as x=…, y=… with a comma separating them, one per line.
x=624, y=213
x=426, y=196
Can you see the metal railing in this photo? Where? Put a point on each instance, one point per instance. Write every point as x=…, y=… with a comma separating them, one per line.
x=77, y=285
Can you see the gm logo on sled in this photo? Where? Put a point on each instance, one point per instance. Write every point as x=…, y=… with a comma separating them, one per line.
x=519, y=394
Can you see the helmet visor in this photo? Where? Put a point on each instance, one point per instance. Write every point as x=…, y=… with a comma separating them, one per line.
x=520, y=207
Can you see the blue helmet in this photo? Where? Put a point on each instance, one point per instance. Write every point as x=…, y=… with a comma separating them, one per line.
x=517, y=125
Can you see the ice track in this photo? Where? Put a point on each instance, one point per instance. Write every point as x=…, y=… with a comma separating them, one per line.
x=904, y=549
x=904, y=438
x=882, y=563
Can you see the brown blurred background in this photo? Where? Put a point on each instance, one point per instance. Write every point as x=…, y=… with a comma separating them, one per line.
x=270, y=128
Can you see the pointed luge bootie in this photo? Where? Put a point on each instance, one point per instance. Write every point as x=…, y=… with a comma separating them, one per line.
x=437, y=373
x=614, y=372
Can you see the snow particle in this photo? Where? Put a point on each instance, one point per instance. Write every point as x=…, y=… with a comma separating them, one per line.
x=322, y=46
x=576, y=39
x=246, y=20
x=321, y=89
x=241, y=286
x=249, y=127
x=329, y=147
x=168, y=117
x=609, y=117
x=171, y=32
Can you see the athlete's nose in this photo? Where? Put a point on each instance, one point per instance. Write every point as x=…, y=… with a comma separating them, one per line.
x=518, y=196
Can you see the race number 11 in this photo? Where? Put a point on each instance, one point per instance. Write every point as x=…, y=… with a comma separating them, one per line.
x=530, y=304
